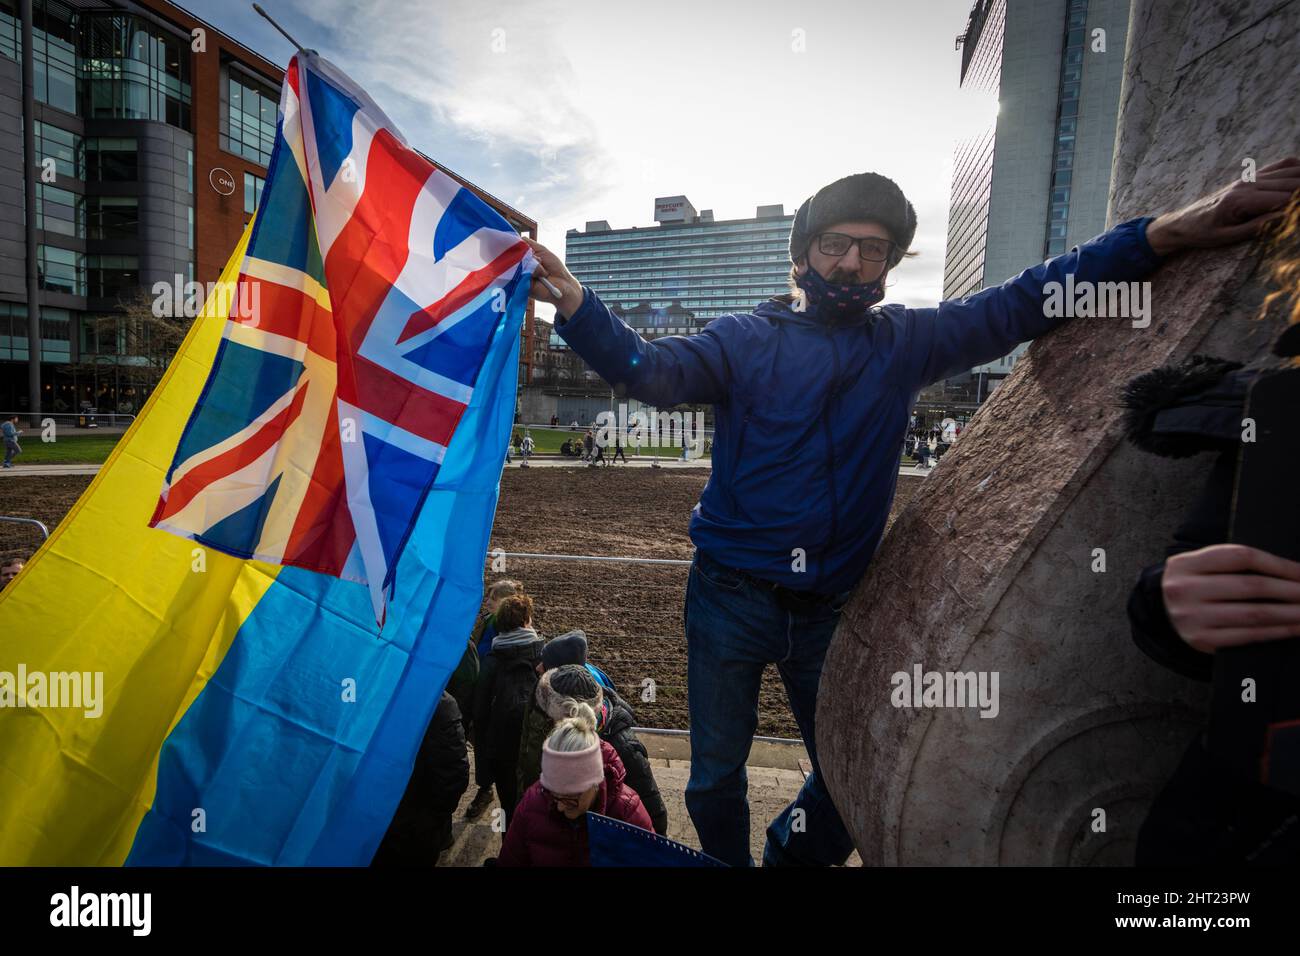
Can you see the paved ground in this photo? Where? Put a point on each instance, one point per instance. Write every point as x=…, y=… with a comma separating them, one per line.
x=45, y=471
x=770, y=790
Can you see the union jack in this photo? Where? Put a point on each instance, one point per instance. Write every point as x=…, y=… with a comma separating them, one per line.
x=379, y=283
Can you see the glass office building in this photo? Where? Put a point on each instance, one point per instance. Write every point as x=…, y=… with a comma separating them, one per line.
x=1035, y=180
x=972, y=176
x=153, y=131
x=677, y=276
x=128, y=194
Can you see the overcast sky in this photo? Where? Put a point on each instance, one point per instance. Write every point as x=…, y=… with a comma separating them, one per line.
x=575, y=110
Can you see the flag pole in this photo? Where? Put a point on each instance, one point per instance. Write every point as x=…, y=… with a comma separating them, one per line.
x=283, y=32
x=550, y=287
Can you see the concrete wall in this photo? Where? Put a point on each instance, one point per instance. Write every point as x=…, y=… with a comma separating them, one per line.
x=535, y=406
x=582, y=409
x=989, y=567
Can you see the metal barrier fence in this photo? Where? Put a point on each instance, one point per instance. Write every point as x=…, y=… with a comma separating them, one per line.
x=45, y=532
x=568, y=427
x=634, y=625
x=680, y=562
x=78, y=419
x=21, y=546
x=552, y=592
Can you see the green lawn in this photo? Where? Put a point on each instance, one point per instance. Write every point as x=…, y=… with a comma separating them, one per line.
x=547, y=441
x=68, y=450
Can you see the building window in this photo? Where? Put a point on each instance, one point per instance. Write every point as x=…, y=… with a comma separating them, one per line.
x=111, y=276
x=54, y=53
x=112, y=217
x=56, y=335
x=60, y=211
x=189, y=169
x=250, y=120
x=62, y=146
x=13, y=331
x=56, y=325
x=61, y=270
x=134, y=70
x=111, y=160
x=252, y=192
x=9, y=40
x=101, y=337
x=190, y=214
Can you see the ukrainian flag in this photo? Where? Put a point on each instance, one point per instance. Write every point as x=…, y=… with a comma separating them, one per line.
x=253, y=713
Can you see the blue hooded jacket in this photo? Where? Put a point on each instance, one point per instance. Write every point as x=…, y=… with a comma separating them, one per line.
x=810, y=417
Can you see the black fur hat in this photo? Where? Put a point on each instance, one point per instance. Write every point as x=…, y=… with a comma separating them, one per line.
x=866, y=197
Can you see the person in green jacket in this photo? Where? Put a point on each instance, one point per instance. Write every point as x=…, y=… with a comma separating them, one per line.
x=549, y=705
x=551, y=701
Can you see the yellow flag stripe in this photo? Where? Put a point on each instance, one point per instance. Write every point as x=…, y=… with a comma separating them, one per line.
x=151, y=612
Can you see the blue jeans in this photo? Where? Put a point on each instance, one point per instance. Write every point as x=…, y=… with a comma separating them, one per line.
x=734, y=628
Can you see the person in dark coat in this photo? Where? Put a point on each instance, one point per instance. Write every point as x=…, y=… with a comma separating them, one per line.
x=464, y=681
x=421, y=827
x=580, y=773
x=617, y=729
x=461, y=685
x=506, y=682
x=1208, y=595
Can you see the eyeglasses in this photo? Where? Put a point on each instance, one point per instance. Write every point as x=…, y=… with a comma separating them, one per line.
x=563, y=803
x=870, y=248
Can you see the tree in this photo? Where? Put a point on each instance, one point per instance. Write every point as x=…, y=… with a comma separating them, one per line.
x=131, y=348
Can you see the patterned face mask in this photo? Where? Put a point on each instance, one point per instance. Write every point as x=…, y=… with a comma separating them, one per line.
x=833, y=302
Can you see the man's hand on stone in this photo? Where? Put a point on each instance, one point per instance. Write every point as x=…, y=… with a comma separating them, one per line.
x=1235, y=213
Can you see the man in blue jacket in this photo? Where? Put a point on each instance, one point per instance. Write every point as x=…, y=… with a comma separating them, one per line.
x=781, y=539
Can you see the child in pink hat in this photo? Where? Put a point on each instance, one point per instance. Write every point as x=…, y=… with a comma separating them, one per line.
x=580, y=772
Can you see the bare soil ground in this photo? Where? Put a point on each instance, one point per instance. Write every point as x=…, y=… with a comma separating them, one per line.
x=47, y=499
x=632, y=614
